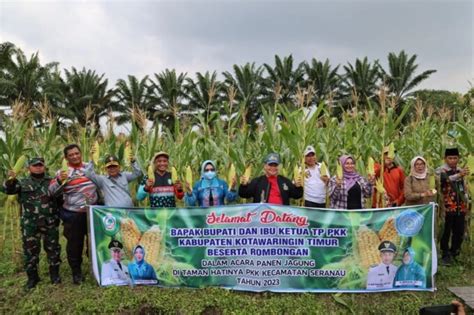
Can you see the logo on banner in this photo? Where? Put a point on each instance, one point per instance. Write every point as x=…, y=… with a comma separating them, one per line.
x=409, y=223
x=110, y=224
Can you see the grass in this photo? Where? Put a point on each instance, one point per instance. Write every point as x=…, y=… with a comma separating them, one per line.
x=89, y=298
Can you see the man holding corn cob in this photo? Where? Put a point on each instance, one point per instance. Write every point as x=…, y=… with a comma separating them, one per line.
x=315, y=181
x=271, y=187
x=39, y=220
x=161, y=189
x=454, y=204
x=78, y=192
x=114, y=185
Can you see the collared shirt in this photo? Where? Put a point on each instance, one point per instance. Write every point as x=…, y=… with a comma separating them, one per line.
x=314, y=187
x=115, y=189
x=381, y=276
x=114, y=274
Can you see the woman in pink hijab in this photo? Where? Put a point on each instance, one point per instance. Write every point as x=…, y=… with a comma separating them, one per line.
x=349, y=192
x=417, y=189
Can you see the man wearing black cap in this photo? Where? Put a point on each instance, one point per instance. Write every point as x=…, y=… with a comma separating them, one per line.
x=114, y=185
x=381, y=276
x=454, y=204
x=39, y=220
x=113, y=272
x=271, y=187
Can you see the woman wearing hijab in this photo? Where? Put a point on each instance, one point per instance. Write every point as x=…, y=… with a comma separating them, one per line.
x=140, y=271
x=210, y=190
x=410, y=274
x=417, y=190
x=350, y=191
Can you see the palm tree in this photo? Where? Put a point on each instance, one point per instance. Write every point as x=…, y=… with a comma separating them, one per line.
x=167, y=94
x=130, y=94
x=25, y=79
x=324, y=79
x=204, y=94
x=248, y=82
x=401, y=78
x=283, y=80
x=85, y=88
x=359, y=83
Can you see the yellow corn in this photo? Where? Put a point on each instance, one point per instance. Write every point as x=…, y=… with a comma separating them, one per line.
x=127, y=153
x=388, y=232
x=174, y=174
x=391, y=151
x=151, y=242
x=283, y=171
x=189, y=176
x=248, y=172
x=432, y=182
x=130, y=234
x=371, y=167
x=64, y=167
x=339, y=170
x=96, y=155
x=296, y=172
x=324, y=169
x=151, y=172
x=470, y=164
x=231, y=175
x=367, y=245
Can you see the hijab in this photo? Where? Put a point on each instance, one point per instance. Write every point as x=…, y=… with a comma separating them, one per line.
x=413, y=171
x=411, y=253
x=205, y=182
x=139, y=263
x=350, y=178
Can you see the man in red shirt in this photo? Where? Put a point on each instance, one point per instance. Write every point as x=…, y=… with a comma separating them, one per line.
x=271, y=187
x=393, y=181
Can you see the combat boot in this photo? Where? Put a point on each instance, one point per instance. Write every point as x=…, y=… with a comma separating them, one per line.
x=77, y=277
x=54, y=274
x=33, y=279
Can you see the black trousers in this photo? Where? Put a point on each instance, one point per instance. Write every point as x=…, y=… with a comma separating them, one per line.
x=454, y=230
x=75, y=231
x=310, y=204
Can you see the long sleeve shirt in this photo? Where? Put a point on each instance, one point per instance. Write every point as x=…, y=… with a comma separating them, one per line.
x=338, y=194
x=115, y=189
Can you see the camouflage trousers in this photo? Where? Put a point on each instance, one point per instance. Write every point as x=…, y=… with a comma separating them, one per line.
x=37, y=227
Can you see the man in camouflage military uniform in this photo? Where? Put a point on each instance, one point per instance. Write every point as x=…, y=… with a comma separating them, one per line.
x=39, y=220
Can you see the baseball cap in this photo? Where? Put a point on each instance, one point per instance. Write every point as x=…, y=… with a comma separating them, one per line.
x=161, y=153
x=309, y=149
x=272, y=158
x=35, y=161
x=111, y=160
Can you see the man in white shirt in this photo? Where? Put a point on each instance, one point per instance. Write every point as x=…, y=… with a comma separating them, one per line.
x=314, y=183
x=380, y=276
x=114, y=272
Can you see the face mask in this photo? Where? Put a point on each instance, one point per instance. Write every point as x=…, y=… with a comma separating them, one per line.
x=210, y=175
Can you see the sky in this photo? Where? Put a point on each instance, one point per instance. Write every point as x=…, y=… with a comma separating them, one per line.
x=121, y=38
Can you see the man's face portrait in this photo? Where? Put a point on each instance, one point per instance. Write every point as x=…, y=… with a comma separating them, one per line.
x=387, y=257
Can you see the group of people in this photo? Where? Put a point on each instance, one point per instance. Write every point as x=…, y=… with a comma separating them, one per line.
x=71, y=191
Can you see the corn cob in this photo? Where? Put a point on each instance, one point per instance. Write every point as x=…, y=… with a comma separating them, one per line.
x=367, y=245
x=324, y=169
x=130, y=234
x=470, y=164
x=284, y=172
x=391, y=151
x=388, y=232
x=127, y=153
x=151, y=172
x=370, y=167
x=20, y=163
x=248, y=172
x=379, y=186
x=432, y=183
x=231, y=175
x=64, y=167
x=296, y=172
x=96, y=154
x=174, y=174
x=189, y=176
x=339, y=170
x=151, y=242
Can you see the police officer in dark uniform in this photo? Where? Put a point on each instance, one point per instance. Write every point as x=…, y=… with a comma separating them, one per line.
x=381, y=276
x=39, y=220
